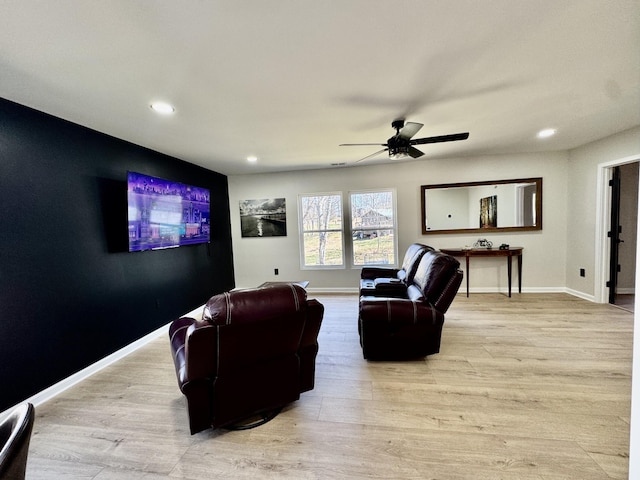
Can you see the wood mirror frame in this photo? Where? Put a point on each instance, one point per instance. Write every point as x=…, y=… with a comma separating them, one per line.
x=503, y=206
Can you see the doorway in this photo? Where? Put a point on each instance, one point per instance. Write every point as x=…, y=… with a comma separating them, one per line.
x=629, y=183
x=618, y=232
x=624, y=226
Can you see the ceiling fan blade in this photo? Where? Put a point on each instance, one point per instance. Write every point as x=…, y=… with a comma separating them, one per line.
x=409, y=130
x=361, y=144
x=442, y=138
x=372, y=155
x=414, y=152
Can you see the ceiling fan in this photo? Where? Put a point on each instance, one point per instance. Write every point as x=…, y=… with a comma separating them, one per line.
x=402, y=146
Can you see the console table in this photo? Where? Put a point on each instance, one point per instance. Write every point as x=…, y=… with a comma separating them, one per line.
x=489, y=252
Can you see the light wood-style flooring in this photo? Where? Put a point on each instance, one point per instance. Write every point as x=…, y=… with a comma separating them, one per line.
x=626, y=301
x=533, y=387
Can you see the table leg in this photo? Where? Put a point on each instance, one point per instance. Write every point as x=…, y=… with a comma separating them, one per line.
x=520, y=273
x=509, y=273
x=467, y=272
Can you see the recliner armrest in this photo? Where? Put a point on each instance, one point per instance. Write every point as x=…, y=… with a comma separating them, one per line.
x=309, y=344
x=389, y=287
x=370, y=273
x=177, y=338
x=449, y=292
x=190, y=341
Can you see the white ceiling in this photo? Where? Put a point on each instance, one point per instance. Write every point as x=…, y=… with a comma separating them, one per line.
x=289, y=80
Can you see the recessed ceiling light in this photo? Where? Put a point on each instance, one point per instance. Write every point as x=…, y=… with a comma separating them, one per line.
x=546, y=133
x=162, y=107
x=252, y=159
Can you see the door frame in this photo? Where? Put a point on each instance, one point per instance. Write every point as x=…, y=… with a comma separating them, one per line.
x=603, y=220
x=614, y=232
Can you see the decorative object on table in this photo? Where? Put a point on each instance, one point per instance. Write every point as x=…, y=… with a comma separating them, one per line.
x=483, y=243
x=266, y=217
x=504, y=246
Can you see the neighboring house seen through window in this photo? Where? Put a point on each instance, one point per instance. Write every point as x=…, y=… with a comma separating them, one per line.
x=373, y=228
x=371, y=232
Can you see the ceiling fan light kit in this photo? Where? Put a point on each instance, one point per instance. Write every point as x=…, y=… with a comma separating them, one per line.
x=401, y=145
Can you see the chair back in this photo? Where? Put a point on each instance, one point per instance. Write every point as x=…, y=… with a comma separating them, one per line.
x=438, y=277
x=411, y=260
x=15, y=435
x=257, y=323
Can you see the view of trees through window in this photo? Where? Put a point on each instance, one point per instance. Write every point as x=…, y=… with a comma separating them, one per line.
x=373, y=228
x=322, y=237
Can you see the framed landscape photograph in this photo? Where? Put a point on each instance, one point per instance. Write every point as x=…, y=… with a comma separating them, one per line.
x=489, y=212
x=263, y=218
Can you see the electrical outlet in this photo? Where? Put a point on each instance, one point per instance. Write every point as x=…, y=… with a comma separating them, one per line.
x=582, y=273
x=275, y=271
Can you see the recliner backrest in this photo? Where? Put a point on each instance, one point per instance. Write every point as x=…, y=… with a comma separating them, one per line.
x=438, y=278
x=256, y=323
x=411, y=261
x=256, y=304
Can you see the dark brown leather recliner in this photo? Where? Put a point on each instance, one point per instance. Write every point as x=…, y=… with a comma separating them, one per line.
x=411, y=327
x=15, y=436
x=252, y=353
x=393, y=282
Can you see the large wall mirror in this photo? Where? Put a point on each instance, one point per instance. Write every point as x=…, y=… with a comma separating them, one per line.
x=495, y=206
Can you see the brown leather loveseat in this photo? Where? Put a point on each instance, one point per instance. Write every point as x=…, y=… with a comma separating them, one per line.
x=409, y=324
x=253, y=352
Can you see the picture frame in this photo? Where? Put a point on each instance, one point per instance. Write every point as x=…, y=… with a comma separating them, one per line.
x=265, y=217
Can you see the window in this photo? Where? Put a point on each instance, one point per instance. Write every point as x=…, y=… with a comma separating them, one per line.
x=373, y=227
x=321, y=232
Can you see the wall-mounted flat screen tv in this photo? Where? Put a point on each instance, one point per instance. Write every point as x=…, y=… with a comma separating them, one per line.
x=165, y=214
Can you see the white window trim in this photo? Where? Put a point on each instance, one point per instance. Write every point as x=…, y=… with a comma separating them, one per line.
x=348, y=228
x=301, y=232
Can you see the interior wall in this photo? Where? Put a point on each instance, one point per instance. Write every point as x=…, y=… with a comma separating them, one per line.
x=582, y=204
x=544, y=251
x=71, y=292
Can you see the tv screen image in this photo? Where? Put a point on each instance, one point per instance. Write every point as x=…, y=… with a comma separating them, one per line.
x=166, y=214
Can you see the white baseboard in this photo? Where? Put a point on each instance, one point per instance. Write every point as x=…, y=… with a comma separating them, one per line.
x=462, y=291
x=56, y=389
x=340, y=290
x=626, y=291
x=513, y=290
x=584, y=296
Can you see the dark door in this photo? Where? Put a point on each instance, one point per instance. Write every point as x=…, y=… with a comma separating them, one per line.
x=614, y=234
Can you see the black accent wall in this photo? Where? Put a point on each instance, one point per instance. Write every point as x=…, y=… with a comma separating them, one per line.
x=70, y=292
